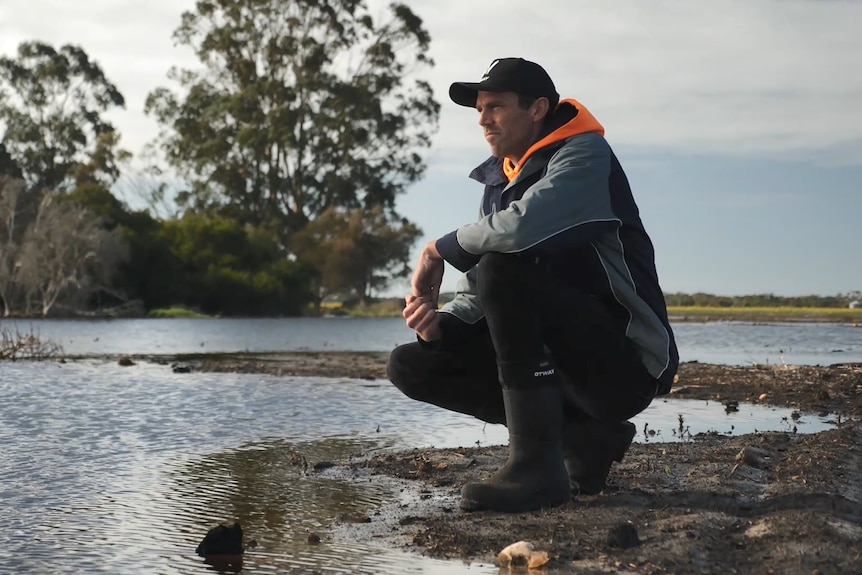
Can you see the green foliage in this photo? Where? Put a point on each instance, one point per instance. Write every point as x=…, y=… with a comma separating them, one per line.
x=146, y=274
x=357, y=251
x=176, y=313
x=51, y=103
x=214, y=264
x=233, y=269
x=152, y=272
x=101, y=202
x=301, y=106
x=387, y=307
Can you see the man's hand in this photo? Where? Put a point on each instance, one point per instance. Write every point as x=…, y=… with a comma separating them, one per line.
x=421, y=316
x=428, y=274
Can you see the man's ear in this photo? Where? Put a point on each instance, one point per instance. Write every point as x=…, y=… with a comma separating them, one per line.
x=541, y=109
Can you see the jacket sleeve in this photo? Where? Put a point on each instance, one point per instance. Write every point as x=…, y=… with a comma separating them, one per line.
x=466, y=306
x=569, y=206
x=462, y=317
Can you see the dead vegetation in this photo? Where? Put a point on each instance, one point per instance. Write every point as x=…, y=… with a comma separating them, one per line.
x=17, y=345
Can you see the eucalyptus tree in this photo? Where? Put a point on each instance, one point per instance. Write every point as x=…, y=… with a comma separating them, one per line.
x=51, y=107
x=360, y=252
x=298, y=106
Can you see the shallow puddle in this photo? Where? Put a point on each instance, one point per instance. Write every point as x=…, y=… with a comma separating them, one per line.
x=122, y=470
x=682, y=419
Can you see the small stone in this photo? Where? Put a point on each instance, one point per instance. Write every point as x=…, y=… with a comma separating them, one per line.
x=623, y=536
x=222, y=540
x=522, y=554
x=125, y=361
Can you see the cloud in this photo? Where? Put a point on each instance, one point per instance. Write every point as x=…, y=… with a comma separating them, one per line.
x=731, y=78
x=737, y=77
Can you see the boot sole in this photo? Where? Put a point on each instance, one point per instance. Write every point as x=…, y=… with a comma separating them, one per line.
x=624, y=447
x=470, y=505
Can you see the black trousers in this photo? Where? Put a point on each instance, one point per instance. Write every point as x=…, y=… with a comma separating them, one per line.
x=530, y=313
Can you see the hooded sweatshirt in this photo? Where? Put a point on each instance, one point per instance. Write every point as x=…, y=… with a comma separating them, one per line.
x=567, y=202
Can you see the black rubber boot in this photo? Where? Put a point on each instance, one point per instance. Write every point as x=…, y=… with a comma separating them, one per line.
x=534, y=477
x=590, y=449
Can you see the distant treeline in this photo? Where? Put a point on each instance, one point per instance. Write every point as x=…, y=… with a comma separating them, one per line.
x=761, y=300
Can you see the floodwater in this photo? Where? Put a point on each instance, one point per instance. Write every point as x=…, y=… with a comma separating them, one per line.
x=108, y=469
x=732, y=343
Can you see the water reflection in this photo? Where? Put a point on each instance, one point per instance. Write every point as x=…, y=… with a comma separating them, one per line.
x=264, y=487
x=271, y=489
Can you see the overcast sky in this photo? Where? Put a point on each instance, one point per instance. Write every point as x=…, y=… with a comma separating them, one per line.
x=738, y=122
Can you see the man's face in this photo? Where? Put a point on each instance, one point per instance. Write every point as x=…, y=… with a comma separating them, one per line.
x=509, y=129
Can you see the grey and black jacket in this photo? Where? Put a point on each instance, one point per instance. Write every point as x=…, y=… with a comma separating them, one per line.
x=568, y=200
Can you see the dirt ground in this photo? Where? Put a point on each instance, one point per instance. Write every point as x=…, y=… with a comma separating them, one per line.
x=759, y=503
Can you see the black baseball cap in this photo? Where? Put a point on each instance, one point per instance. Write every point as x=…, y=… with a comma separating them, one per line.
x=507, y=75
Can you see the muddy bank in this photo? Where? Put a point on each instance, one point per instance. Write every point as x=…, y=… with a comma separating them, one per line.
x=761, y=503
x=354, y=364
x=758, y=503
x=834, y=389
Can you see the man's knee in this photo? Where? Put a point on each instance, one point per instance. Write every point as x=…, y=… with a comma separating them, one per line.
x=398, y=363
x=403, y=369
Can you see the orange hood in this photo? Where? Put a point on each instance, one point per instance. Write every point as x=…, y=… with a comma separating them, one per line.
x=582, y=123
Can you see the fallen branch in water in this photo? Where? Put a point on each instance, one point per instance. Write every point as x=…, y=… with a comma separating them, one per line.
x=26, y=346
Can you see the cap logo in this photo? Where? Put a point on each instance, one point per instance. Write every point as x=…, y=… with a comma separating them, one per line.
x=488, y=71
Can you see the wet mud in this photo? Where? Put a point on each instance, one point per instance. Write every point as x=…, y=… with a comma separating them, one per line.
x=775, y=502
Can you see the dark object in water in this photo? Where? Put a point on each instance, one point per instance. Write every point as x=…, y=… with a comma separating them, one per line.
x=222, y=540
